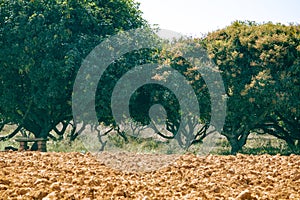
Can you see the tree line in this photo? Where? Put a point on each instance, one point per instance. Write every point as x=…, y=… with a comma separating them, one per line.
x=44, y=43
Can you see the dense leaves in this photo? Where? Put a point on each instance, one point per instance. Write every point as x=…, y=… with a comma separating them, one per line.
x=42, y=46
x=260, y=68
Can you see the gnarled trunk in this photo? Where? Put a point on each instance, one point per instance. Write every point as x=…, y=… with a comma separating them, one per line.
x=237, y=141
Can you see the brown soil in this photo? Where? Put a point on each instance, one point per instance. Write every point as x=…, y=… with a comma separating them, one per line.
x=34, y=175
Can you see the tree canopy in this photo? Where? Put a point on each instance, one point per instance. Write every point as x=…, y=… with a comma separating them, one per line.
x=260, y=67
x=42, y=46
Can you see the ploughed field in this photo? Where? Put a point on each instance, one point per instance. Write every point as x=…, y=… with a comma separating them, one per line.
x=35, y=175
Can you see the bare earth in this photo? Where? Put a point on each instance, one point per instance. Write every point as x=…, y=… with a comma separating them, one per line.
x=34, y=175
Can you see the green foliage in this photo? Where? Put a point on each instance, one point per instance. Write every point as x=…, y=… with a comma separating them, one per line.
x=113, y=74
x=256, y=145
x=42, y=46
x=175, y=55
x=116, y=140
x=66, y=146
x=260, y=68
x=44, y=42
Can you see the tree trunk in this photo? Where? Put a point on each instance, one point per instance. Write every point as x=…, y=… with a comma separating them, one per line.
x=34, y=147
x=235, y=147
x=237, y=142
x=41, y=134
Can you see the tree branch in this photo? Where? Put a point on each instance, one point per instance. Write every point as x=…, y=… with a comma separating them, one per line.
x=160, y=134
x=11, y=135
x=52, y=137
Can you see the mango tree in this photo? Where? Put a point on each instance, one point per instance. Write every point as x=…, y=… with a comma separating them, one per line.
x=259, y=65
x=42, y=46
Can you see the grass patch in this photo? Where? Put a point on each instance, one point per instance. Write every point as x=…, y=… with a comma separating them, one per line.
x=256, y=145
x=142, y=145
x=222, y=147
x=52, y=146
x=66, y=146
x=265, y=144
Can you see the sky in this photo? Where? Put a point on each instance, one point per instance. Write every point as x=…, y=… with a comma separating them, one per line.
x=197, y=17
